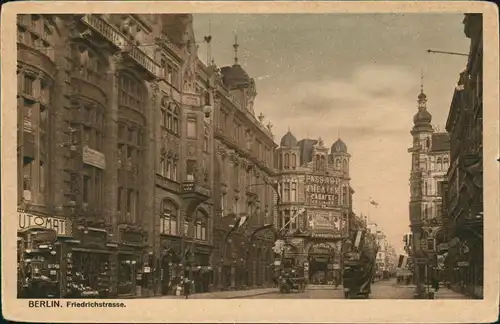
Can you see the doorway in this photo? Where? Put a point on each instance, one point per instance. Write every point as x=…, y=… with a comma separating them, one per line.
x=318, y=270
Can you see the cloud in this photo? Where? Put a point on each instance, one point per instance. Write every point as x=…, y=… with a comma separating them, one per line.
x=372, y=100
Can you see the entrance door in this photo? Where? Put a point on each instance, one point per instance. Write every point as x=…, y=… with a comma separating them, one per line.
x=318, y=270
x=166, y=276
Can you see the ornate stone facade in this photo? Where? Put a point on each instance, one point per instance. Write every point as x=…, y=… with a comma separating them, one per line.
x=315, y=207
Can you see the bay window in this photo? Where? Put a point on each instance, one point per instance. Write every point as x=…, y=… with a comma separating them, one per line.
x=33, y=144
x=130, y=148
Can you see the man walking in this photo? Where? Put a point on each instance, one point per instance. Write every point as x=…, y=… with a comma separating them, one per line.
x=187, y=287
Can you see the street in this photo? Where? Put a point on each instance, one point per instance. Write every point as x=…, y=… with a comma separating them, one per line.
x=384, y=289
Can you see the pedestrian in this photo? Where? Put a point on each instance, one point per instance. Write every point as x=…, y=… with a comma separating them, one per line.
x=435, y=284
x=187, y=287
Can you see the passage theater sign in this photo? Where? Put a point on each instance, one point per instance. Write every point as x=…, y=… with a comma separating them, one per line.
x=322, y=190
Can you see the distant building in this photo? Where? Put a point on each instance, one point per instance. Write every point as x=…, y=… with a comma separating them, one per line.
x=430, y=161
x=315, y=178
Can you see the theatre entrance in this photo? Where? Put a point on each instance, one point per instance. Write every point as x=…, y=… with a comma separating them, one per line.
x=320, y=258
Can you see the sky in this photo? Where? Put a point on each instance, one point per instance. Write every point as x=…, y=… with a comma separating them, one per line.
x=353, y=76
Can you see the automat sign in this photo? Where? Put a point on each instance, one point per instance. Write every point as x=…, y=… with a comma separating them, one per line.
x=322, y=190
x=27, y=220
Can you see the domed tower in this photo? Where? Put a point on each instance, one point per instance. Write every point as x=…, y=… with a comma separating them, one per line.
x=340, y=157
x=240, y=84
x=288, y=152
x=422, y=128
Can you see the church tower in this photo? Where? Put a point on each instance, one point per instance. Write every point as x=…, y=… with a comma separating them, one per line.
x=422, y=136
x=421, y=132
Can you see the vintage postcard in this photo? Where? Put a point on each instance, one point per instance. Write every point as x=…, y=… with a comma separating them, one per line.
x=250, y=162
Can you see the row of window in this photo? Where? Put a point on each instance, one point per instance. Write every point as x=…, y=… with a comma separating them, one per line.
x=128, y=203
x=170, y=222
x=32, y=30
x=241, y=136
x=33, y=112
x=289, y=161
x=431, y=211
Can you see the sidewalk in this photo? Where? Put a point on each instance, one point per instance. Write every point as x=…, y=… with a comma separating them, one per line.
x=445, y=293
x=225, y=294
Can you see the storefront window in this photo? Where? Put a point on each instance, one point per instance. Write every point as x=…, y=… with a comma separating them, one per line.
x=127, y=265
x=91, y=270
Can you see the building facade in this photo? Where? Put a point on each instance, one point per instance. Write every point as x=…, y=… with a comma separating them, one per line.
x=100, y=160
x=430, y=161
x=464, y=187
x=382, y=243
x=243, y=188
x=316, y=179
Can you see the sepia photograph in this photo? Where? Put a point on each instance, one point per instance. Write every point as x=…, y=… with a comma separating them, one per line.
x=228, y=155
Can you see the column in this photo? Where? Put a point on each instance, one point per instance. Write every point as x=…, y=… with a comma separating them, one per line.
x=110, y=183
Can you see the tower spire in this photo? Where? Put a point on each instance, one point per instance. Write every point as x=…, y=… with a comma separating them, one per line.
x=421, y=81
x=235, y=46
x=208, y=40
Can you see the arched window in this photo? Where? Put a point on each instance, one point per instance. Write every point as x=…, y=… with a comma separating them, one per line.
x=131, y=92
x=172, y=115
x=201, y=225
x=287, y=161
x=317, y=165
x=439, y=164
x=445, y=163
x=323, y=163
x=168, y=217
x=428, y=142
x=337, y=164
x=294, y=161
x=345, y=165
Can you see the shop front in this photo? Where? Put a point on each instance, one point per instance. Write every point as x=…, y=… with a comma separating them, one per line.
x=40, y=242
x=89, y=263
x=199, y=270
x=323, y=264
x=135, y=269
x=170, y=266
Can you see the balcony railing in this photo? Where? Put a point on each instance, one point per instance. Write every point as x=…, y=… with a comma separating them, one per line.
x=110, y=33
x=105, y=29
x=192, y=187
x=142, y=59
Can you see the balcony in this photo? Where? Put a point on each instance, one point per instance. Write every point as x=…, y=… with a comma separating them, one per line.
x=194, y=194
x=106, y=30
x=120, y=42
x=147, y=64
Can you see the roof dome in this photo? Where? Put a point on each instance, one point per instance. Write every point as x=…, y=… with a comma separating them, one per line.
x=339, y=147
x=422, y=117
x=422, y=96
x=235, y=76
x=288, y=140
